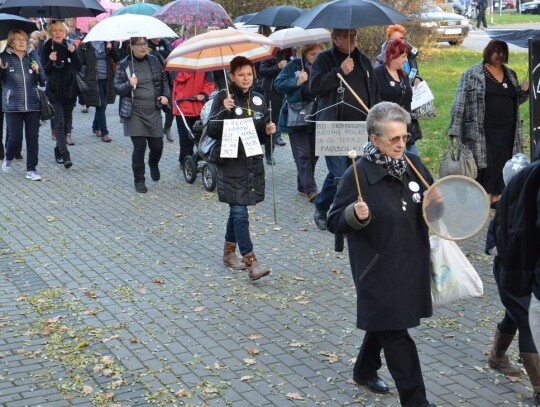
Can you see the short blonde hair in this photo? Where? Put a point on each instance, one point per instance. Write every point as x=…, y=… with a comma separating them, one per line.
x=308, y=47
x=54, y=23
x=12, y=34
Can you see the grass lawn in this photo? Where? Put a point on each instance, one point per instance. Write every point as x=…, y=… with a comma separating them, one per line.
x=511, y=17
x=442, y=68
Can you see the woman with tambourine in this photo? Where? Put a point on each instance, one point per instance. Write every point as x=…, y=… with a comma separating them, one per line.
x=383, y=229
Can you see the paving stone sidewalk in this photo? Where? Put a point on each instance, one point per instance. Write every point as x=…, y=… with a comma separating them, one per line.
x=113, y=298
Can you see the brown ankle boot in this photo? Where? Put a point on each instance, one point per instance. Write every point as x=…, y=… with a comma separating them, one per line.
x=256, y=271
x=531, y=362
x=498, y=359
x=230, y=259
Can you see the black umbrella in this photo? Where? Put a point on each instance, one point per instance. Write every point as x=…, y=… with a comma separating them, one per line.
x=278, y=16
x=349, y=14
x=10, y=22
x=52, y=8
x=243, y=18
x=514, y=37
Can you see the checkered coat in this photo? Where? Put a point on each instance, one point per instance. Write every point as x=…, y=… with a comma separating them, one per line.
x=468, y=111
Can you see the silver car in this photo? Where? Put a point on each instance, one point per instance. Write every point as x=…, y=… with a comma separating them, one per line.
x=445, y=27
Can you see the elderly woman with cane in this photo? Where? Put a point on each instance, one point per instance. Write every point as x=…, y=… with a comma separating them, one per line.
x=383, y=228
x=240, y=180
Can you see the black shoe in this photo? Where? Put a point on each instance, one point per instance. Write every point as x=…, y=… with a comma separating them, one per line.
x=376, y=385
x=141, y=187
x=58, y=156
x=66, y=159
x=270, y=161
x=278, y=141
x=320, y=219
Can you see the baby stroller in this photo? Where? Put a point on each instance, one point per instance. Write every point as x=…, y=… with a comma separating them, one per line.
x=193, y=164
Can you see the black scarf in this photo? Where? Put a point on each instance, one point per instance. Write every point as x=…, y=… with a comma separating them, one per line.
x=394, y=167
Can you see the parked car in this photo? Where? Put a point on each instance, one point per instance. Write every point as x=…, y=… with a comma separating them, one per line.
x=532, y=7
x=445, y=27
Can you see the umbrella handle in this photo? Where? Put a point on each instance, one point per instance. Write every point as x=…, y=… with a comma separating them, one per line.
x=353, y=92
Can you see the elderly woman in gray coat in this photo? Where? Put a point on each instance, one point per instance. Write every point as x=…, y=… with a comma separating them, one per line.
x=485, y=115
x=392, y=287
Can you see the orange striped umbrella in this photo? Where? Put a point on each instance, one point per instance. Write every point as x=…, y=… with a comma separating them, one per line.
x=214, y=50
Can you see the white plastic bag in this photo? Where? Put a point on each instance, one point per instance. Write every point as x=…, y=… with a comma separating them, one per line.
x=452, y=276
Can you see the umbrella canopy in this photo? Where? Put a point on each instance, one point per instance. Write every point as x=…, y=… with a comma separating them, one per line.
x=296, y=36
x=352, y=14
x=82, y=22
x=215, y=49
x=127, y=26
x=243, y=18
x=58, y=9
x=10, y=22
x=515, y=37
x=278, y=16
x=199, y=13
x=146, y=9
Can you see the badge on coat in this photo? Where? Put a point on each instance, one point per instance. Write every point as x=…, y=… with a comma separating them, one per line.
x=417, y=198
x=257, y=101
x=413, y=186
x=238, y=111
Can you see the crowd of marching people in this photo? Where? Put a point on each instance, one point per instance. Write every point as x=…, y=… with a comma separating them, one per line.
x=150, y=98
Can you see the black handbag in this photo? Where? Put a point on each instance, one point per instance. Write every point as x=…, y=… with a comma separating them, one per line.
x=297, y=113
x=81, y=83
x=210, y=148
x=47, y=109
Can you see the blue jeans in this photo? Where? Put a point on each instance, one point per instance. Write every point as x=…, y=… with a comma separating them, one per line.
x=238, y=228
x=16, y=123
x=336, y=167
x=100, y=119
x=413, y=149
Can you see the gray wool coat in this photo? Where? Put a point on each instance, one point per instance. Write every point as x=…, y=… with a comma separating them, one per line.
x=469, y=108
x=389, y=252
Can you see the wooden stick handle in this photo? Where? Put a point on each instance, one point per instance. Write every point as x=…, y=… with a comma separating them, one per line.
x=353, y=92
x=417, y=172
x=360, y=199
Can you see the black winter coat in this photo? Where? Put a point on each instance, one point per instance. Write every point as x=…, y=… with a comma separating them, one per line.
x=269, y=70
x=61, y=85
x=389, y=252
x=89, y=67
x=240, y=180
x=19, y=90
x=123, y=88
x=324, y=82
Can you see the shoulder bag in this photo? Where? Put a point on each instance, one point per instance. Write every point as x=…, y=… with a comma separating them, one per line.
x=297, y=113
x=458, y=160
x=81, y=83
x=47, y=110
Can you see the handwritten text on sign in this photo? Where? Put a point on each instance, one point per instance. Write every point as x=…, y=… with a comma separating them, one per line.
x=235, y=129
x=338, y=138
x=421, y=95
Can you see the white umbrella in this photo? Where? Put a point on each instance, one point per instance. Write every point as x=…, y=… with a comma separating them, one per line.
x=127, y=26
x=296, y=36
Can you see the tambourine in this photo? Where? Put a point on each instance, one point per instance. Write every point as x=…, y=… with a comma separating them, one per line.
x=455, y=207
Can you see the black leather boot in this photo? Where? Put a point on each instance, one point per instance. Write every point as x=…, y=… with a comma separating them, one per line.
x=153, y=161
x=138, y=176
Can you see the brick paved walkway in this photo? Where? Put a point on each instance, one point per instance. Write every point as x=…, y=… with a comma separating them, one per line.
x=109, y=296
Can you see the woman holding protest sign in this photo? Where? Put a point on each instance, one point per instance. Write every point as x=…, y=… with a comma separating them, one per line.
x=240, y=179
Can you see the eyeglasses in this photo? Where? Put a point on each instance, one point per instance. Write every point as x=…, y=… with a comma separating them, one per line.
x=20, y=39
x=142, y=44
x=394, y=140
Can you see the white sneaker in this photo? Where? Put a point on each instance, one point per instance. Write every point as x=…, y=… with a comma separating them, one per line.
x=33, y=175
x=6, y=166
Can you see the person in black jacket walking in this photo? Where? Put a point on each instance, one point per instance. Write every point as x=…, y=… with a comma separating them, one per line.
x=61, y=63
x=240, y=180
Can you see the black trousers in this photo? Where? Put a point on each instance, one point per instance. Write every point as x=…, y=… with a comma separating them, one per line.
x=402, y=361
x=186, y=142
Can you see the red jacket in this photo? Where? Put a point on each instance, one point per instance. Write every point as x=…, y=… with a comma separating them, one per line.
x=189, y=85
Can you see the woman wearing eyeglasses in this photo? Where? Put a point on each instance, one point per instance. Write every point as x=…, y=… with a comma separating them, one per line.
x=395, y=87
x=61, y=64
x=144, y=90
x=20, y=75
x=389, y=253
